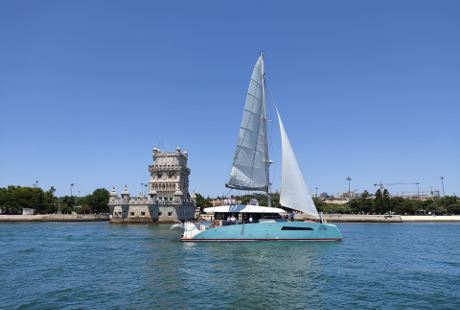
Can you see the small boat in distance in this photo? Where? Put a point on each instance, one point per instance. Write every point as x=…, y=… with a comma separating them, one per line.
x=250, y=171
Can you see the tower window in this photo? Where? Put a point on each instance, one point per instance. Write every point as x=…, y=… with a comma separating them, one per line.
x=131, y=213
x=169, y=213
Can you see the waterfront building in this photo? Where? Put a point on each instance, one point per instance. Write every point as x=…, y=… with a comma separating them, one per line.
x=168, y=198
x=28, y=211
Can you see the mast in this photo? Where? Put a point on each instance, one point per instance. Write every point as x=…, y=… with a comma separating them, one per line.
x=264, y=107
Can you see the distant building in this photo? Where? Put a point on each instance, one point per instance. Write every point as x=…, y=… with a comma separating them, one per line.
x=28, y=211
x=168, y=198
x=337, y=201
x=351, y=194
x=224, y=202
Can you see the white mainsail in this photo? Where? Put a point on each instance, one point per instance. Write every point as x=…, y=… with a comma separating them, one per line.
x=250, y=163
x=294, y=192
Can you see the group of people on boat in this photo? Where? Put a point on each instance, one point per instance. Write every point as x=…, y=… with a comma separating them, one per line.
x=232, y=220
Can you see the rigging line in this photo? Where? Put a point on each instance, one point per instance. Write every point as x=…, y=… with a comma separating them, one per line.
x=226, y=195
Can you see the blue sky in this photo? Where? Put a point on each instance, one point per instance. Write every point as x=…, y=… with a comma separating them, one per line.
x=368, y=89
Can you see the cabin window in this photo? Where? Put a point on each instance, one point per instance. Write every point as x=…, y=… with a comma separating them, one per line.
x=296, y=228
x=132, y=213
x=160, y=213
x=143, y=213
x=169, y=213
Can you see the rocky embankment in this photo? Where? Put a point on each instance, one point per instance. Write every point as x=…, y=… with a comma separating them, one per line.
x=55, y=218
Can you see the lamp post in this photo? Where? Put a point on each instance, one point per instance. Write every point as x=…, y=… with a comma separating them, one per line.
x=442, y=186
x=349, y=184
x=142, y=188
x=316, y=192
x=145, y=185
x=71, y=195
x=418, y=189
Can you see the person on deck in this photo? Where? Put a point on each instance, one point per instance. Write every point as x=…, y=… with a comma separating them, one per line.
x=250, y=219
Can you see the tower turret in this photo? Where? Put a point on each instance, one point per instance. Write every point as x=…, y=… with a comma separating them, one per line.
x=125, y=195
x=113, y=195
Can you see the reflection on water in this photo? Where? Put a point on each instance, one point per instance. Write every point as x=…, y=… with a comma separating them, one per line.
x=98, y=265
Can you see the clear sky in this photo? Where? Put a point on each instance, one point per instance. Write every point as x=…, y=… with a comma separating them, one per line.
x=369, y=89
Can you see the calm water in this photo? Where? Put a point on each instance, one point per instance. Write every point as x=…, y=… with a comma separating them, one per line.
x=98, y=265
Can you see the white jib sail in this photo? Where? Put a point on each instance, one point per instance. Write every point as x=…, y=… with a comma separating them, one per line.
x=250, y=163
x=294, y=192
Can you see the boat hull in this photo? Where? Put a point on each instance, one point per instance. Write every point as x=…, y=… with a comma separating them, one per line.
x=277, y=231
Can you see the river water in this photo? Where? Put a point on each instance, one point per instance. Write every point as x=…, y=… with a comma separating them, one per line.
x=105, y=266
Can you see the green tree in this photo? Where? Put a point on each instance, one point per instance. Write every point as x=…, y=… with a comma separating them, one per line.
x=386, y=201
x=335, y=208
x=83, y=209
x=14, y=198
x=50, y=201
x=361, y=205
x=68, y=202
x=453, y=208
x=378, y=202
x=98, y=201
x=401, y=205
x=202, y=202
x=66, y=209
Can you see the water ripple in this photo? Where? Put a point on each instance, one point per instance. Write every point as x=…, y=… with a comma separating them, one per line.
x=103, y=266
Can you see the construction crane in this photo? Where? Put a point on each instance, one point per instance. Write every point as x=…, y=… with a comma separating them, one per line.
x=381, y=185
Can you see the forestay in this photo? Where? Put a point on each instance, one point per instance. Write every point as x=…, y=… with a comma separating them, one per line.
x=294, y=192
x=250, y=163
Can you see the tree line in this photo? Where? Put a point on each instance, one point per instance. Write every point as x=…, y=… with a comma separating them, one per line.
x=383, y=203
x=14, y=198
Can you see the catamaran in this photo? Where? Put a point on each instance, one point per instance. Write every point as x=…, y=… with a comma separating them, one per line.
x=250, y=172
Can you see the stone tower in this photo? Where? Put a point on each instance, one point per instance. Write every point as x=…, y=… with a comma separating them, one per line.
x=169, y=176
x=168, y=199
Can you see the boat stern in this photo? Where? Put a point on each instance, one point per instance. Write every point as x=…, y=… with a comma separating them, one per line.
x=191, y=230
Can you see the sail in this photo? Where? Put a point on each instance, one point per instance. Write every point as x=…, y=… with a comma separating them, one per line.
x=250, y=163
x=294, y=192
